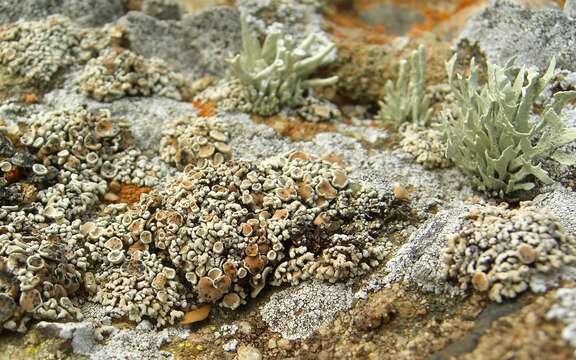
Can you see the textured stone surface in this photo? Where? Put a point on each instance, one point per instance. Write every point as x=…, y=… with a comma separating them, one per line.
x=298, y=312
x=198, y=45
x=504, y=30
x=418, y=262
x=85, y=12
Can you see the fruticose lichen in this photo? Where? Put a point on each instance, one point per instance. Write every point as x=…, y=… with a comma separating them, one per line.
x=406, y=99
x=499, y=250
x=491, y=135
x=275, y=74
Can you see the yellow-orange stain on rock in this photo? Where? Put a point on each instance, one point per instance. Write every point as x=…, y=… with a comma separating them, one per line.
x=205, y=108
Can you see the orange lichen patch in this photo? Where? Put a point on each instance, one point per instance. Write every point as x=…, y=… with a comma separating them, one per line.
x=295, y=128
x=130, y=194
x=30, y=98
x=435, y=17
x=347, y=25
x=205, y=108
x=196, y=315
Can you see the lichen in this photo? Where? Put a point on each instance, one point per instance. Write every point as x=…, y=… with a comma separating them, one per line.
x=276, y=73
x=32, y=53
x=406, y=99
x=499, y=250
x=491, y=135
x=426, y=145
x=118, y=73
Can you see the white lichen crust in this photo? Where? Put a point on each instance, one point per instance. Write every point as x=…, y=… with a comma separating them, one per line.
x=221, y=233
x=119, y=73
x=195, y=140
x=426, y=145
x=499, y=250
x=33, y=52
x=63, y=166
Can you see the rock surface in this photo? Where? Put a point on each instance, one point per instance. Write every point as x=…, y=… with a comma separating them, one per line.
x=504, y=30
x=84, y=12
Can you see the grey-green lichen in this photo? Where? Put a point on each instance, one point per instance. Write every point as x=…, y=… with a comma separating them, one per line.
x=406, y=99
x=119, y=73
x=275, y=74
x=34, y=52
x=426, y=145
x=500, y=250
x=491, y=134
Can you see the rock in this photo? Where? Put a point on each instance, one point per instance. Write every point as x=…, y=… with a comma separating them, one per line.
x=84, y=12
x=418, y=262
x=562, y=202
x=298, y=312
x=144, y=114
x=162, y=9
x=197, y=45
x=398, y=19
x=248, y=352
x=81, y=335
x=505, y=29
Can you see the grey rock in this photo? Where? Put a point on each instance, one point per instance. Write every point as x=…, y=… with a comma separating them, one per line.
x=570, y=8
x=397, y=19
x=299, y=311
x=562, y=202
x=162, y=9
x=197, y=45
x=418, y=262
x=84, y=12
x=505, y=29
x=565, y=312
x=81, y=335
x=148, y=116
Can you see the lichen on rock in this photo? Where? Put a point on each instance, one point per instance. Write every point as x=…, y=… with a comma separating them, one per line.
x=118, y=73
x=498, y=250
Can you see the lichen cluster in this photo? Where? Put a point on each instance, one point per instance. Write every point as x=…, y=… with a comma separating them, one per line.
x=275, y=74
x=221, y=233
x=492, y=136
x=194, y=140
x=33, y=52
x=500, y=250
x=426, y=145
x=119, y=73
x=60, y=167
x=406, y=100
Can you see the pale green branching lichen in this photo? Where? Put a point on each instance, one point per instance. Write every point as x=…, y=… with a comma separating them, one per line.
x=491, y=135
x=406, y=99
x=275, y=74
